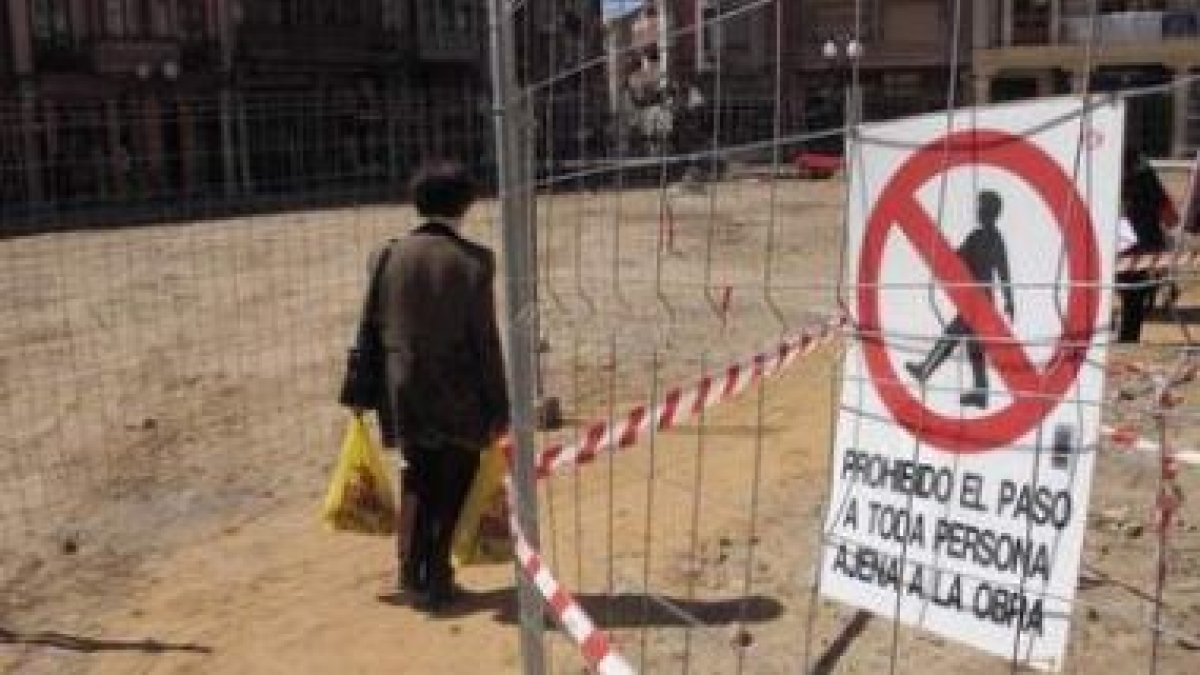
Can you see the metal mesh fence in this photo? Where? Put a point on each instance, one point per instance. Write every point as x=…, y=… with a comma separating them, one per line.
x=154, y=155
x=696, y=548
x=153, y=379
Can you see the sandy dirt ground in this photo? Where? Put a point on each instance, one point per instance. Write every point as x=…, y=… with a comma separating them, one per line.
x=168, y=432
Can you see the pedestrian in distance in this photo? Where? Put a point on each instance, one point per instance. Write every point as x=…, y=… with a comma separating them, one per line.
x=1148, y=209
x=444, y=372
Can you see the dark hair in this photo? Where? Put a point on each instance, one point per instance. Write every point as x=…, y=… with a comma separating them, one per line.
x=442, y=188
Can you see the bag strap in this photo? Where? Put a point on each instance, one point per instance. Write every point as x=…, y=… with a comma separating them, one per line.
x=371, y=302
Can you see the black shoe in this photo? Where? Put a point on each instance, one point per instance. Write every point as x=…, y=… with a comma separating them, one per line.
x=917, y=372
x=410, y=580
x=974, y=399
x=440, y=598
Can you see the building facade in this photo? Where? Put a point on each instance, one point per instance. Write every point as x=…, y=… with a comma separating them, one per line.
x=104, y=98
x=209, y=102
x=746, y=67
x=349, y=95
x=910, y=55
x=702, y=71
x=561, y=53
x=1029, y=48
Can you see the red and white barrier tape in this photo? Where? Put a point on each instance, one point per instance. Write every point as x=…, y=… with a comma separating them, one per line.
x=681, y=404
x=1158, y=261
x=1170, y=495
x=678, y=405
x=594, y=644
x=1128, y=440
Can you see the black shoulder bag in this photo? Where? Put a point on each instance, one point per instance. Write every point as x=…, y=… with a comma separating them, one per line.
x=365, y=384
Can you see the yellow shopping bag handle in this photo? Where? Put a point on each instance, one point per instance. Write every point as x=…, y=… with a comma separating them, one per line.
x=360, y=497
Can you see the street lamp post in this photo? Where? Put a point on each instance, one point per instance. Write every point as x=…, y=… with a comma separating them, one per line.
x=843, y=52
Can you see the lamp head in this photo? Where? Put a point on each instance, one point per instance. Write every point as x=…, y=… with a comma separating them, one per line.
x=830, y=49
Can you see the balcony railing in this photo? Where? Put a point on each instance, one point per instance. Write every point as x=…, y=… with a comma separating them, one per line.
x=1113, y=28
x=1133, y=27
x=331, y=45
x=130, y=55
x=124, y=56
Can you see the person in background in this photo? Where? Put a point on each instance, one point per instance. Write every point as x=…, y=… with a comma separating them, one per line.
x=1147, y=209
x=444, y=371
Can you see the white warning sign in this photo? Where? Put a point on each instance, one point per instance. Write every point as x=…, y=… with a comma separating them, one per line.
x=970, y=411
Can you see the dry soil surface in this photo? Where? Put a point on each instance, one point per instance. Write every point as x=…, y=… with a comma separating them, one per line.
x=169, y=431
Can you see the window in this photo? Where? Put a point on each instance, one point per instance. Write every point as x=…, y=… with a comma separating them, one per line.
x=1109, y=6
x=306, y=12
x=738, y=32
x=841, y=19
x=710, y=42
x=5, y=67
x=367, y=13
x=261, y=13
x=349, y=13
x=164, y=21
x=451, y=22
x=51, y=21
x=916, y=22
x=192, y=19
x=126, y=18
x=1031, y=22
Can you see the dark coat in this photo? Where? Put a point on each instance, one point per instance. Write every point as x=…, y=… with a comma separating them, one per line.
x=445, y=371
x=1143, y=198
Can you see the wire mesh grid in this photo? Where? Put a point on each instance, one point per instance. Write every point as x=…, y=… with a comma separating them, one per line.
x=140, y=363
x=696, y=550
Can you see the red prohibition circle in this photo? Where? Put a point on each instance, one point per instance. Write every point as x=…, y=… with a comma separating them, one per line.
x=1035, y=390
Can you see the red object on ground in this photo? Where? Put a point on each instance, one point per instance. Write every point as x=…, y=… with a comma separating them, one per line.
x=817, y=164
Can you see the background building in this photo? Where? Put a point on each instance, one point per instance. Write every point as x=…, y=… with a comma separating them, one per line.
x=724, y=58
x=101, y=96
x=1032, y=48
x=561, y=49
x=905, y=50
x=695, y=71
x=347, y=96
x=186, y=105
x=201, y=105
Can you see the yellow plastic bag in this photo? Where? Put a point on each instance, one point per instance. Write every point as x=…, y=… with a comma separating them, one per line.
x=360, y=497
x=481, y=535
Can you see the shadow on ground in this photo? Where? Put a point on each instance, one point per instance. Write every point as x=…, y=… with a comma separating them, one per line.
x=90, y=645
x=620, y=611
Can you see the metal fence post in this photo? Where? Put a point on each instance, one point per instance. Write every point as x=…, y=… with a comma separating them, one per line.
x=515, y=189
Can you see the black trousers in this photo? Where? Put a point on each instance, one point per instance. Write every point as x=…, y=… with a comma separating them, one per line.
x=439, y=476
x=1135, y=302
